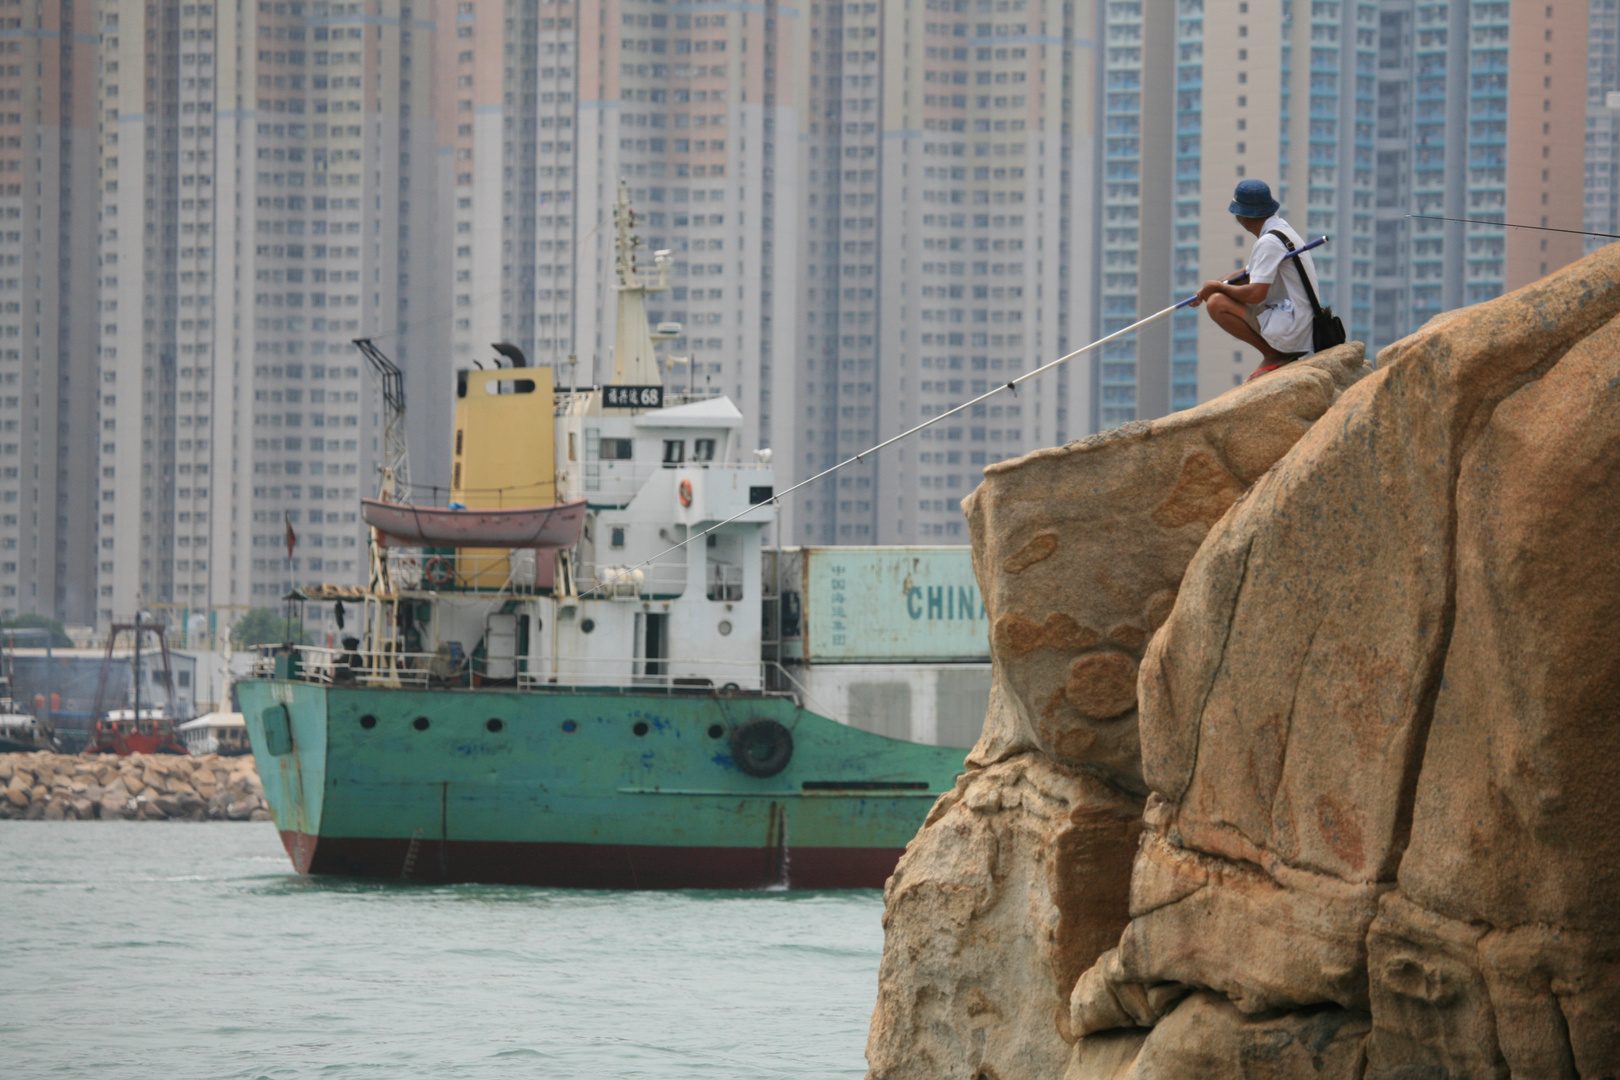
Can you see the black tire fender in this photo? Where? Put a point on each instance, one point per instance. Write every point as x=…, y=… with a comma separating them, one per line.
x=761, y=747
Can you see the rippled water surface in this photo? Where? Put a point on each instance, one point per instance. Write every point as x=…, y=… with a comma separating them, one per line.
x=175, y=951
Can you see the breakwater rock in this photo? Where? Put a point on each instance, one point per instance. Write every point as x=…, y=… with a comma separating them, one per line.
x=141, y=787
x=1373, y=739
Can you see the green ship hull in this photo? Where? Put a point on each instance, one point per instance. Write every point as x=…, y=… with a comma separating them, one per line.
x=611, y=789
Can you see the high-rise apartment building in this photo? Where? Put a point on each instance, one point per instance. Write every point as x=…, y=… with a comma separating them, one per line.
x=874, y=212
x=947, y=223
x=1198, y=95
x=48, y=316
x=265, y=194
x=1602, y=122
x=546, y=106
x=1482, y=113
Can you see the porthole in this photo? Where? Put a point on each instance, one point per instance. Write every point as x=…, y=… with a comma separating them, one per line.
x=570, y=727
x=641, y=727
x=724, y=627
x=420, y=723
x=716, y=731
x=587, y=625
x=368, y=721
x=495, y=724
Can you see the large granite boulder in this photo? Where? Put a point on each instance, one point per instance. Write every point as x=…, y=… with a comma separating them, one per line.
x=1382, y=724
x=1018, y=880
x=1515, y=841
x=1010, y=890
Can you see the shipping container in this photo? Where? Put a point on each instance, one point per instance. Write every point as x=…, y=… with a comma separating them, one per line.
x=880, y=605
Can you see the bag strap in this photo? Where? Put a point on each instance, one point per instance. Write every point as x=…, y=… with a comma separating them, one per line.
x=1316, y=308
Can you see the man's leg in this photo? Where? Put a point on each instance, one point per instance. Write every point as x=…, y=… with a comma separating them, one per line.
x=1231, y=316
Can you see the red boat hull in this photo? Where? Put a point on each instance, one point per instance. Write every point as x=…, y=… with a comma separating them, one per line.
x=592, y=866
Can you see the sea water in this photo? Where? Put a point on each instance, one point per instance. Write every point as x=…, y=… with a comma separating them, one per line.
x=171, y=951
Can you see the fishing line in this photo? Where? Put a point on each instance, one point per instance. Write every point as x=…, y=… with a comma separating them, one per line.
x=1011, y=384
x=1510, y=225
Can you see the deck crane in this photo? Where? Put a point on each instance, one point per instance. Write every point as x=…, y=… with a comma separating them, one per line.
x=393, y=485
x=395, y=470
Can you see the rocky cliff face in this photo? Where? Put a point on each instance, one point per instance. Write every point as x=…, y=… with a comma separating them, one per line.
x=1019, y=879
x=1378, y=735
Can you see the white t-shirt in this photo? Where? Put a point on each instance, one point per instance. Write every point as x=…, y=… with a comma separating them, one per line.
x=1285, y=315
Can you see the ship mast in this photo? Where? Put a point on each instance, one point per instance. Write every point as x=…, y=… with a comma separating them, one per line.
x=633, y=361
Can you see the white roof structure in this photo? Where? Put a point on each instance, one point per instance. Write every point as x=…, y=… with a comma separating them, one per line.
x=214, y=720
x=712, y=412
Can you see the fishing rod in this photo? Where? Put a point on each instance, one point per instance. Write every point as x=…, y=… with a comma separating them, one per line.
x=1510, y=225
x=1012, y=384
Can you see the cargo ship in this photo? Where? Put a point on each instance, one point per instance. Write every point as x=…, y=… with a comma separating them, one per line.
x=569, y=676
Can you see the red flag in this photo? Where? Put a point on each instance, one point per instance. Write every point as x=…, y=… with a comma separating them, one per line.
x=292, y=537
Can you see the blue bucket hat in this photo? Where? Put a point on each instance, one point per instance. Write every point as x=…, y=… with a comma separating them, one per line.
x=1252, y=199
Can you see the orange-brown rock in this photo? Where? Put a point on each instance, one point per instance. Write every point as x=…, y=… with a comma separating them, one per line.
x=1206, y=1037
x=1382, y=722
x=1514, y=830
x=1082, y=547
x=1019, y=879
x=1004, y=897
x=1102, y=685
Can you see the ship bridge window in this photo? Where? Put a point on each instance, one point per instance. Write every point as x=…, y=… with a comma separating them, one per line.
x=702, y=449
x=509, y=386
x=615, y=449
x=674, y=451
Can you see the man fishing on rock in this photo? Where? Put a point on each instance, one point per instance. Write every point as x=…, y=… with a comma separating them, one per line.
x=1275, y=309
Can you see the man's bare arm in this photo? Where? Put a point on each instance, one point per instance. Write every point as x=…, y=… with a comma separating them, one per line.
x=1252, y=293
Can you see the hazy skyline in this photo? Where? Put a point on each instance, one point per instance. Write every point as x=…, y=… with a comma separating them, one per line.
x=875, y=211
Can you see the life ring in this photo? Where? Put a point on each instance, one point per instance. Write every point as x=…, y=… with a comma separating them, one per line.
x=438, y=571
x=761, y=747
x=685, y=491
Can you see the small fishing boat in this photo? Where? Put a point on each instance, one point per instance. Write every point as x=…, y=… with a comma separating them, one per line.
x=136, y=730
x=128, y=731
x=21, y=733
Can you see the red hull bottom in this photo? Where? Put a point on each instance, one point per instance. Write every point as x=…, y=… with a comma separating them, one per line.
x=592, y=866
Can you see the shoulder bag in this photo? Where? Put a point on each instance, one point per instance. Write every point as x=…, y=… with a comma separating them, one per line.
x=1326, y=329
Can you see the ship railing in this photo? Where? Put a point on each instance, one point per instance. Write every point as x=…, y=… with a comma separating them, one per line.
x=625, y=581
x=678, y=675
x=518, y=570
x=316, y=664
x=670, y=675
x=525, y=572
